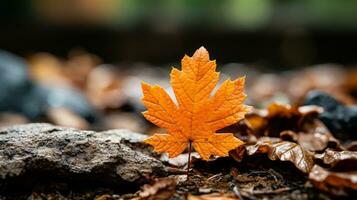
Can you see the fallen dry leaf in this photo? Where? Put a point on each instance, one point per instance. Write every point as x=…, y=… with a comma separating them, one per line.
x=289, y=151
x=296, y=124
x=316, y=137
x=339, y=160
x=326, y=77
x=213, y=196
x=280, y=117
x=104, y=87
x=161, y=189
x=289, y=136
x=258, y=146
x=337, y=183
x=284, y=151
x=78, y=66
x=198, y=115
x=47, y=69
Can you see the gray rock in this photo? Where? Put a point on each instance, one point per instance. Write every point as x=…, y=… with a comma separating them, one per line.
x=36, y=150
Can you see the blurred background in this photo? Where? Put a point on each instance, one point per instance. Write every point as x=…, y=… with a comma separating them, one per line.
x=80, y=62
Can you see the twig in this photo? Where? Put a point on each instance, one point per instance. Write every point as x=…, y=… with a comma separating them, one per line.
x=214, y=176
x=277, y=191
x=189, y=161
x=237, y=193
x=173, y=170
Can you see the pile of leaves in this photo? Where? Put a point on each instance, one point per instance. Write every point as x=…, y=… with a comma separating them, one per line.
x=288, y=154
x=281, y=133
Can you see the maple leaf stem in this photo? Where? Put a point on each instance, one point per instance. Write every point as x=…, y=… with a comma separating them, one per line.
x=189, y=161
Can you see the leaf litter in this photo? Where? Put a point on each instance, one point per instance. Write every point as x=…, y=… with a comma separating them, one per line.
x=280, y=158
x=302, y=150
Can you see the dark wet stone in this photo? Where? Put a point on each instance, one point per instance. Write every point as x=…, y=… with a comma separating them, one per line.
x=67, y=97
x=14, y=82
x=339, y=118
x=19, y=94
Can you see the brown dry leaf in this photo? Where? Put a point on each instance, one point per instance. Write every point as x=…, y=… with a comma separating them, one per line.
x=281, y=110
x=78, y=66
x=327, y=78
x=337, y=183
x=212, y=196
x=284, y=151
x=256, y=122
x=280, y=117
x=104, y=87
x=198, y=114
x=259, y=146
x=341, y=160
x=289, y=136
x=161, y=189
x=238, y=153
x=297, y=124
x=289, y=151
x=46, y=68
x=265, y=87
x=316, y=137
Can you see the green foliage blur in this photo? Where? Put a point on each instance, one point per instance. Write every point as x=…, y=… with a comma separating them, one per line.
x=247, y=15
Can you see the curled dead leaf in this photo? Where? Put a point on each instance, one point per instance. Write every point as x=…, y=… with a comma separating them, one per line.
x=47, y=69
x=256, y=122
x=289, y=136
x=161, y=189
x=316, y=137
x=238, y=153
x=289, y=151
x=284, y=151
x=337, y=183
x=104, y=87
x=339, y=160
x=295, y=124
x=259, y=146
x=280, y=117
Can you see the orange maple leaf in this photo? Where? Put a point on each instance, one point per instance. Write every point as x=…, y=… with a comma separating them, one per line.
x=198, y=115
